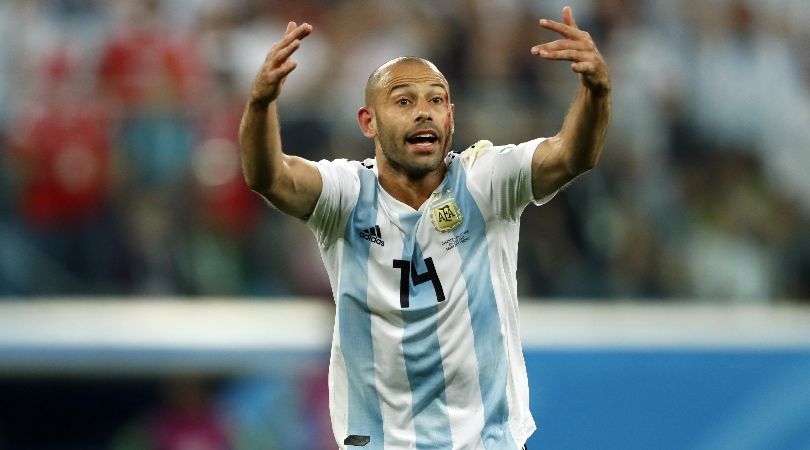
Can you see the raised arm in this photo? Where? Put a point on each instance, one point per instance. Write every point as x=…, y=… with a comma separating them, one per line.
x=292, y=184
x=575, y=149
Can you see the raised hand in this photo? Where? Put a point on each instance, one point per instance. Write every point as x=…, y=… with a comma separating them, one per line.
x=277, y=65
x=578, y=47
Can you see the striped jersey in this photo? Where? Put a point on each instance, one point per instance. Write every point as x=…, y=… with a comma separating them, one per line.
x=426, y=351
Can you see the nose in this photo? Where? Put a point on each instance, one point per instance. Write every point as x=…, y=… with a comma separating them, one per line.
x=423, y=113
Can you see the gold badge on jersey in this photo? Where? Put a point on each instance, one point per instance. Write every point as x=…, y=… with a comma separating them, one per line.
x=445, y=214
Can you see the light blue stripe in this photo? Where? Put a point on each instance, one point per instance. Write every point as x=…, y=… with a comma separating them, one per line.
x=423, y=359
x=486, y=325
x=356, y=344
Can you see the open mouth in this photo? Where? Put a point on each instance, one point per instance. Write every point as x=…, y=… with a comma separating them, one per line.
x=423, y=138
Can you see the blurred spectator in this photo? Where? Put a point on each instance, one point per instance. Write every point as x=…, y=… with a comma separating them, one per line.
x=146, y=61
x=154, y=78
x=225, y=211
x=153, y=75
x=61, y=163
x=62, y=151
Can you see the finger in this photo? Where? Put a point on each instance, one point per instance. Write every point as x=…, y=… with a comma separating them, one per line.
x=561, y=28
x=283, y=54
x=282, y=71
x=568, y=17
x=290, y=26
x=560, y=44
x=564, y=55
x=299, y=32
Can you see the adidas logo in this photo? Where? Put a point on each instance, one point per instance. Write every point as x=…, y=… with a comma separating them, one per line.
x=373, y=235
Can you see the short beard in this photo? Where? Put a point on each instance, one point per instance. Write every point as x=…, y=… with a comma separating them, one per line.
x=413, y=172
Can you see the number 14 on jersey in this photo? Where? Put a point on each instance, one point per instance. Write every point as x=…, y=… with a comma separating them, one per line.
x=408, y=270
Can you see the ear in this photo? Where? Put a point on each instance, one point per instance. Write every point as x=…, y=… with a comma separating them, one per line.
x=365, y=117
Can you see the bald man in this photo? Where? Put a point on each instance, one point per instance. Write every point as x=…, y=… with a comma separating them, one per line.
x=420, y=244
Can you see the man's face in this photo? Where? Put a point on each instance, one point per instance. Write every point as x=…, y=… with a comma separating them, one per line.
x=414, y=118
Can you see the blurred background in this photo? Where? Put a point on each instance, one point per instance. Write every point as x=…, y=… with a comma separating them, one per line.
x=121, y=185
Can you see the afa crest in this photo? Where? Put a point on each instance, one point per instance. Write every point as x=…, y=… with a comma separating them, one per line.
x=446, y=215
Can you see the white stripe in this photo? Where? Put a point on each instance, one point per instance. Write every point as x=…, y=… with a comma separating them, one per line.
x=338, y=383
x=502, y=246
x=387, y=329
x=502, y=251
x=338, y=390
x=462, y=387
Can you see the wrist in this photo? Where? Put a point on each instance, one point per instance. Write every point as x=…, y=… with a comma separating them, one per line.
x=596, y=88
x=259, y=104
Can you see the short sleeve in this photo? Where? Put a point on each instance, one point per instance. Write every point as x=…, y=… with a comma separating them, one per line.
x=341, y=186
x=503, y=176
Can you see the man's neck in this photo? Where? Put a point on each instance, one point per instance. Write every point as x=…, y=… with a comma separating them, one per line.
x=410, y=191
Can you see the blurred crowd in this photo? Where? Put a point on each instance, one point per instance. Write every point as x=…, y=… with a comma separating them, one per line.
x=120, y=171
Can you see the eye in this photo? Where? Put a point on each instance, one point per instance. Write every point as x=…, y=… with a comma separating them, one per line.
x=403, y=101
x=437, y=100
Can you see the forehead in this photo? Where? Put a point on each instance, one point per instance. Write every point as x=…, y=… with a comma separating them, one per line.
x=410, y=73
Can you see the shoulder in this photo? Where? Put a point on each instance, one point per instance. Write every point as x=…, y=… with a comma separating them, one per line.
x=346, y=168
x=344, y=164
x=347, y=176
x=482, y=153
x=343, y=182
